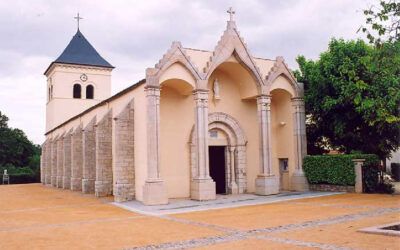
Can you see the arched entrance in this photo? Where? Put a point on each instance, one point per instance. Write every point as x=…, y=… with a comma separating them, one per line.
x=227, y=154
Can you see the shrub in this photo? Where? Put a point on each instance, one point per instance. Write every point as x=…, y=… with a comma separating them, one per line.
x=374, y=181
x=334, y=169
x=19, y=175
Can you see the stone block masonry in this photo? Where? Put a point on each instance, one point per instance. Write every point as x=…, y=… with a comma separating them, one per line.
x=103, y=131
x=76, y=159
x=47, y=174
x=60, y=161
x=124, y=168
x=54, y=163
x=67, y=162
x=89, y=157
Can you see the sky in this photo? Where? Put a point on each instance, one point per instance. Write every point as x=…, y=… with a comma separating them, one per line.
x=133, y=35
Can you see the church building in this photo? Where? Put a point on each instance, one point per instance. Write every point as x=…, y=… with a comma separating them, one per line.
x=202, y=123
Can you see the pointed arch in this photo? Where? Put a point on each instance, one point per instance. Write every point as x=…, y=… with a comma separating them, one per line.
x=174, y=55
x=232, y=44
x=281, y=69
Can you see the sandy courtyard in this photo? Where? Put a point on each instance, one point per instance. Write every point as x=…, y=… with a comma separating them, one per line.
x=36, y=217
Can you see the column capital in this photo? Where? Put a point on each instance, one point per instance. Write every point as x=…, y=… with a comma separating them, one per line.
x=200, y=94
x=152, y=90
x=264, y=102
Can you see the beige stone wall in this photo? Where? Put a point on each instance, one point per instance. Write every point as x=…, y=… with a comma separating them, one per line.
x=123, y=155
x=54, y=163
x=89, y=157
x=76, y=159
x=104, y=178
x=67, y=162
x=282, y=133
x=60, y=161
x=47, y=177
x=176, y=122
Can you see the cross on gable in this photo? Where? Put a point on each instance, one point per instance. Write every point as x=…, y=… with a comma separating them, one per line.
x=78, y=18
x=231, y=13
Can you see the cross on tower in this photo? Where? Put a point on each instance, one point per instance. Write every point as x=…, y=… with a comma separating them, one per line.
x=78, y=18
x=231, y=13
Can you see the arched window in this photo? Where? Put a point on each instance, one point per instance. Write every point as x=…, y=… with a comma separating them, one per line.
x=77, y=91
x=89, y=92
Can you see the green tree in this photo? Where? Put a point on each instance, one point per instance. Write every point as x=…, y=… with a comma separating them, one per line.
x=382, y=22
x=17, y=153
x=352, y=96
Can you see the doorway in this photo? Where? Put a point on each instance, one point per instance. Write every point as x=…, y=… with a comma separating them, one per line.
x=217, y=165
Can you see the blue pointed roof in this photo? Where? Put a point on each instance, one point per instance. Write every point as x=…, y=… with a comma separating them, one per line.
x=80, y=51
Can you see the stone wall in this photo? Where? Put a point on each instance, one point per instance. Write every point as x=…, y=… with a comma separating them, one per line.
x=47, y=174
x=89, y=157
x=54, y=163
x=103, y=184
x=60, y=161
x=124, y=168
x=331, y=188
x=67, y=162
x=76, y=160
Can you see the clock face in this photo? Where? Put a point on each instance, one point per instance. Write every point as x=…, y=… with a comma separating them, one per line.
x=84, y=77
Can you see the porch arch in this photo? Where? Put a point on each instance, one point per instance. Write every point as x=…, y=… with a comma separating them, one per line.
x=235, y=151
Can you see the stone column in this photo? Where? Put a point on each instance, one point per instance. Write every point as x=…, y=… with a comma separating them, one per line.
x=233, y=185
x=299, y=180
x=124, y=168
x=47, y=175
x=89, y=157
x=202, y=186
x=266, y=182
x=54, y=163
x=67, y=162
x=358, y=163
x=60, y=161
x=154, y=190
x=103, y=183
x=76, y=159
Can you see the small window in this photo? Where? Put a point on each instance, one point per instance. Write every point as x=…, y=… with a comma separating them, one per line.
x=77, y=91
x=284, y=165
x=89, y=92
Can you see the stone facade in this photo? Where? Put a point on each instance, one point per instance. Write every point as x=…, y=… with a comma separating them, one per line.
x=67, y=162
x=124, y=171
x=103, y=183
x=60, y=161
x=76, y=159
x=47, y=175
x=89, y=157
x=54, y=163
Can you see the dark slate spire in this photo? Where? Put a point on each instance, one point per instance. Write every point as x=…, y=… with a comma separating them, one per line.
x=80, y=51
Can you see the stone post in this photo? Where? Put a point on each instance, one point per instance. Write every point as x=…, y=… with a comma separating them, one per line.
x=47, y=177
x=103, y=183
x=202, y=186
x=266, y=182
x=60, y=161
x=76, y=159
x=358, y=163
x=154, y=190
x=233, y=185
x=67, y=162
x=89, y=157
x=299, y=180
x=124, y=164
x=54, y=163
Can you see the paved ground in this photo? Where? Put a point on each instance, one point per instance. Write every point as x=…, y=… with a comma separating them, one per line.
x=177, y=206
x=37, y=217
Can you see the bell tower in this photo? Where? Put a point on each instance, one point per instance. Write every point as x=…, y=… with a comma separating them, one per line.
x=78, y=79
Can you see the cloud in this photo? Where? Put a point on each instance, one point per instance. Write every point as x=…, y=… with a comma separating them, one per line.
x=133, y=35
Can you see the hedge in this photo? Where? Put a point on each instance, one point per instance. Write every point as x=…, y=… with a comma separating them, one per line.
x=19, y=175
x=334, y=169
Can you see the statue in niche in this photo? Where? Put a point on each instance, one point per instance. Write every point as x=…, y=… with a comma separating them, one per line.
x=216, y=89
